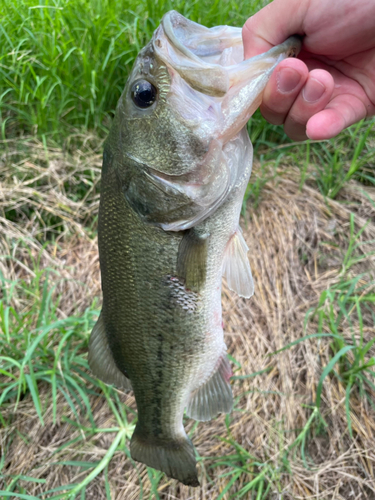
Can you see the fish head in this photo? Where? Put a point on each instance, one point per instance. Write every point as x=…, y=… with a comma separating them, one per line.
x=170, y=110
x=188, y=95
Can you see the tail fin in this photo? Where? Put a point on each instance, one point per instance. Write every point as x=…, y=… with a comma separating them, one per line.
x=175, y=457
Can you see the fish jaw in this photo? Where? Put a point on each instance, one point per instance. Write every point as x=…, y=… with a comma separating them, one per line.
x=196, y=52
x=211, y=62
x=247, y=82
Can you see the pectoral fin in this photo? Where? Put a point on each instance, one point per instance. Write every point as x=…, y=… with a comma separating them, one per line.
x=192, y=259
x=236, y=267
x=101, y=360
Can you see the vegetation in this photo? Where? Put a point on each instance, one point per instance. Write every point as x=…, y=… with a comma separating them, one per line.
x=302, y=348
x=63, y=64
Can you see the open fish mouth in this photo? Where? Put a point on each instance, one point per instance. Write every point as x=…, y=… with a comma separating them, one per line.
x=211, y=59
x=197, y=41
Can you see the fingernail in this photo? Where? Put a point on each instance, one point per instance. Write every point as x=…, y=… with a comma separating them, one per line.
x=313, y=90
x=287, y=79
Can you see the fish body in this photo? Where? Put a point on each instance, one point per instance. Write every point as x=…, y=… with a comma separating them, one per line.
x=175, y=168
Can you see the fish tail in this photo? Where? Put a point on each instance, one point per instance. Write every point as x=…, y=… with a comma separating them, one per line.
x=175, y=457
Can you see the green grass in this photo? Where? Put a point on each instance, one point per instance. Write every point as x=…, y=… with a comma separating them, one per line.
x=64, y=64
x=347, y=302
x=328, y=165
x=39, y=350
x=351, y=157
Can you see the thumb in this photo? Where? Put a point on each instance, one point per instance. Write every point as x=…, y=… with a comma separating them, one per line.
x=273, y=25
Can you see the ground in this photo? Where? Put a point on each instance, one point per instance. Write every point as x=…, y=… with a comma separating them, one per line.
x=301, y=348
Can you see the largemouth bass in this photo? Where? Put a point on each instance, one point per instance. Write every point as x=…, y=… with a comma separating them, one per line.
x=175, y=168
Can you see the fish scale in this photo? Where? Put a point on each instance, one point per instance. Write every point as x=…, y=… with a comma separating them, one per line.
x=171, y=195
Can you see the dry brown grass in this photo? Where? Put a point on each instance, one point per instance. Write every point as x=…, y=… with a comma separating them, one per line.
x=40, y=201
x=297, y=242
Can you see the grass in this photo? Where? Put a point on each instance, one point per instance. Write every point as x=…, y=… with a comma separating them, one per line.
x=342, y=308
x=64, y=64
x=337, y=167
x=39, y=349
x=44, y=373
x=302, y=348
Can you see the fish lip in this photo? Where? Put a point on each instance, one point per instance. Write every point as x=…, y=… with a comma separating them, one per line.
x=167, y=24
x=172, y=19
x=206, y=77
x=198, y=54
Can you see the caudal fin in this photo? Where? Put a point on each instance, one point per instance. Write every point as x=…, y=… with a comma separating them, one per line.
x=175, y=457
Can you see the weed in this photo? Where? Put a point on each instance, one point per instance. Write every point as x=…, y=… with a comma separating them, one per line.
x=344, y=158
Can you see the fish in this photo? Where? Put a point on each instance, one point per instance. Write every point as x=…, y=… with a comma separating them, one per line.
x=176, y=164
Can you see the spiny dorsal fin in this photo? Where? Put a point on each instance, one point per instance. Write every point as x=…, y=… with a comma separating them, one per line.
x=214, y=396
x=192, y=259
x=236, y=267
x=101, y=360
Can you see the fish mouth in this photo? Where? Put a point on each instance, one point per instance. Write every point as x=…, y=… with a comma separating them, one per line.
x=197, y=53
x=210, y=60
x=198, y=42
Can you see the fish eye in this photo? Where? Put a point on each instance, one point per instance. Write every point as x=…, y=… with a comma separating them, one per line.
x=143, y=94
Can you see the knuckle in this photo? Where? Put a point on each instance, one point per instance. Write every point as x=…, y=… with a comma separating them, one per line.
x=271, y=116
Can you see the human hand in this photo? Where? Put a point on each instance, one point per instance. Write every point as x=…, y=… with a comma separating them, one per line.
x=332, y=83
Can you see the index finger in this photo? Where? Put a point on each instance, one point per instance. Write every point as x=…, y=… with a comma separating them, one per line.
x=272, y=25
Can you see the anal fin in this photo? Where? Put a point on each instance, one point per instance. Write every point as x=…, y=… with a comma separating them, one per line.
x=236, y=266
x=101, y=359
x=214, y=396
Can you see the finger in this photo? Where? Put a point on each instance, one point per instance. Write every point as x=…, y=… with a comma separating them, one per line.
x=282, y=89
x=340, y=113
x=270, y=26
x=314, y=97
